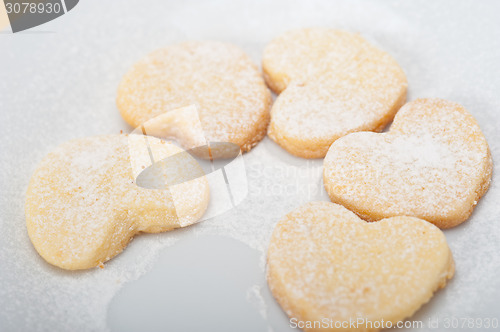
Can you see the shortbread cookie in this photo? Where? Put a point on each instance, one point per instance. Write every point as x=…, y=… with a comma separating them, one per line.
x=220, y=79
x=336, y=83
x=327, y=265
x=83, y=206
x=433, y=164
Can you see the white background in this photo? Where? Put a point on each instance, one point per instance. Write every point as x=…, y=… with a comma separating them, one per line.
x=58, y=81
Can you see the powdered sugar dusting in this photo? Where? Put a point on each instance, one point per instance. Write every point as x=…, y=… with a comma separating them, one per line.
x=324, y=261
x=434, y=163
x=63, y=85
x=219, y=78
x=336, y=83
x=82, y=205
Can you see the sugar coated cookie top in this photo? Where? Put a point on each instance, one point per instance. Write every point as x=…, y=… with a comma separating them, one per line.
x=332, y=83
x=219, y=78
x=303, y=54
x=326, y=263
x=83, y=206
x=434, y=164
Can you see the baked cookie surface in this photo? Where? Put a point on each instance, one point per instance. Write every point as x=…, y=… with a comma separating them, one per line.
x=434, y=163
x=83, y=205
x=326, y=263
x=332, y=83
x=219, y=78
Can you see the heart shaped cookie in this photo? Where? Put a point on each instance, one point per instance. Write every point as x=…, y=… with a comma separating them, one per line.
x=325, y=265
x=83, y=205
x=434, y=164
x=219, y=78
x=332, y=83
